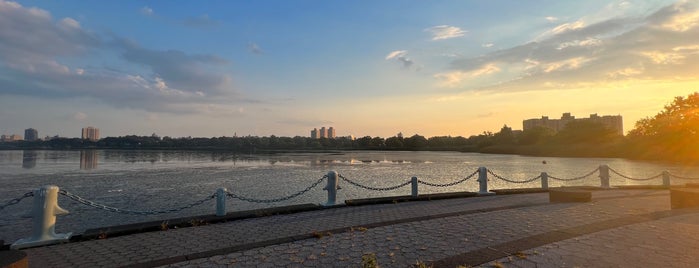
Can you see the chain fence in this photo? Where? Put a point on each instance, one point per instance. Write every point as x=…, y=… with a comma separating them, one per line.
x=93, y=204
x=682, y=177
x=448, y=184
x=576, y=178
x=635, y=179
x=16, y=200
x=374, y=188
x=512, y=181
x=275, y=200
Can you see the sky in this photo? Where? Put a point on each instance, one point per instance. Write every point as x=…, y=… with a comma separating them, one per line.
x=366, y=68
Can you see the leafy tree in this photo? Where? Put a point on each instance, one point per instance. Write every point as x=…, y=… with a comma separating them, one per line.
x=535, y=135
x=415, y=142
x=586, y=131
x=671, y=134
x=394, y=143
x=505, y=136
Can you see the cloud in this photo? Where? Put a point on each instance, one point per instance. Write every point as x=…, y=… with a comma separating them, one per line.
x=551, y=19
x=147, y=11
x=442, y=32
x=457, y=78
x=255, y=49
x=487, y=45
x=662, y=45
x=43, y=65
x=80, y=116
x=402, y=57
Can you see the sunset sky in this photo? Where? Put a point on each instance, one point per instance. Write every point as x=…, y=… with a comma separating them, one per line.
x=215, y=68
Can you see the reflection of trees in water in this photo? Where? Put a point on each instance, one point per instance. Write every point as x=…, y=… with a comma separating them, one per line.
x=88, y=159
x=29, y=159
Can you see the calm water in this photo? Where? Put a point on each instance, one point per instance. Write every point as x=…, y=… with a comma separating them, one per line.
x=149, y=180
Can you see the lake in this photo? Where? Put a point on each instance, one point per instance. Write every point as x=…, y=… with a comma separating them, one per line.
x=153, y=180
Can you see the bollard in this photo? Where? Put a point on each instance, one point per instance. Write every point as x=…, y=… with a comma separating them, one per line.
x=666, y=179
x=413, y=181
x=331, y=187
x=221, y=201
x=483, y=181
x=44, y=212
x=604, y=176
x=544, y=180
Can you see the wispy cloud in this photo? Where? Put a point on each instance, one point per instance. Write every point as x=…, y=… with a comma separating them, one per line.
x=662, y=45
x=551, y=19
x=255, y=49
x=457, y=78
x=442, y=32
x=402, y=57
x=146, y=11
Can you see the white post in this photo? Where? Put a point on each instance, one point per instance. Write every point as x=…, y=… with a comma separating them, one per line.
x=413, y=182
x=483, y=180
x=604, y=176
x=221, y=201
x=44, y=212
x=666, y=178
x=544, y=180
x=331, y=187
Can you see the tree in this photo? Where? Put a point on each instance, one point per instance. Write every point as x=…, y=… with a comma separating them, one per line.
x=505, y=136
x=585, y=131
x=535, y=135
x=415, y=142
x=671, y=134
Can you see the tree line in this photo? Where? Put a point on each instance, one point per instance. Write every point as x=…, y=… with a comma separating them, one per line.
x=672, y=135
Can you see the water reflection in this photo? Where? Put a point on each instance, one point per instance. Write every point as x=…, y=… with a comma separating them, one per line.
x=88, y=159
x=29, y=159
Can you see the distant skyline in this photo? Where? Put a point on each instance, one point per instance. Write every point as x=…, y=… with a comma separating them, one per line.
x=369, y=68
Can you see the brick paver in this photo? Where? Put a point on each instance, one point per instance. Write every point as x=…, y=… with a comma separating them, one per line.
x=397, y=234
x=667, y=242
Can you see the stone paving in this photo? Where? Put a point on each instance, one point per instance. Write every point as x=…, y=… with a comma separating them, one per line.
x=668, y=242
x=393, y=235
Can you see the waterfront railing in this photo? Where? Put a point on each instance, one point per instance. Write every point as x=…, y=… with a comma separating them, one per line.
x=45, y=207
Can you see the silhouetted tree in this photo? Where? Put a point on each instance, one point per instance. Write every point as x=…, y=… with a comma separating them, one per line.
x=535, y=135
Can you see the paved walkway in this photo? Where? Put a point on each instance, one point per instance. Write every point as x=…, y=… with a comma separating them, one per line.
x=619, y=228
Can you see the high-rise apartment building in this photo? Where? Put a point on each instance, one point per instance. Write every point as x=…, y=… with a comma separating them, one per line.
x=328, y=133
x=91, y=133
x=614, y=122
x=31, y=134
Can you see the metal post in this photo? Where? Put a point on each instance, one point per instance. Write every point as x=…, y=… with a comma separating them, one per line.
x=44, y=212
x=604, y=176
x=413, y=181
x=483, y=180
x=666, y=179
x=221, y=201
x=544, y=180
x=331, y=187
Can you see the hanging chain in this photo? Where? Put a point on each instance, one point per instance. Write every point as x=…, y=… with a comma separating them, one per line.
x=683, y=178
x=513, y=181
x=252, y=200
x=449, y=184
x=634, y=179
x=374, y=188
x=16, y=200
x=127, y=211
x=576, y=178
